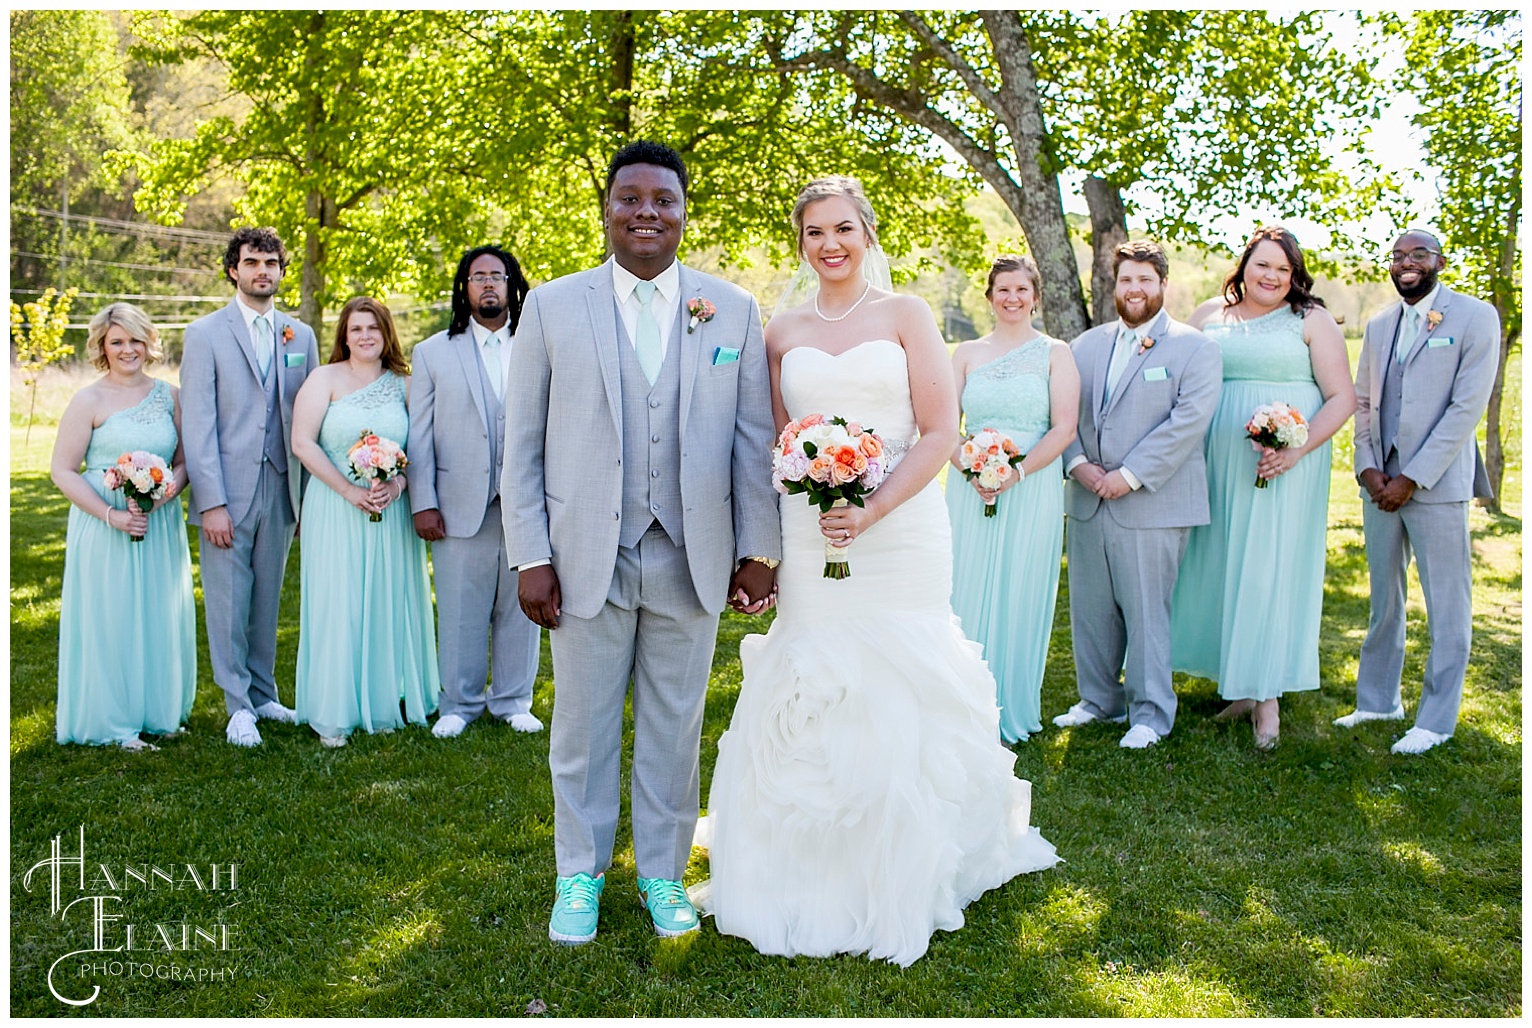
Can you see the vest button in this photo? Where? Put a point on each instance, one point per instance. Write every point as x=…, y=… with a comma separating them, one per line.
x=654, y=474
x=654, y=403
x=654, y=439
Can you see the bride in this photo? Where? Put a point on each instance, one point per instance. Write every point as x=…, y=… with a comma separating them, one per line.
x=862, y=796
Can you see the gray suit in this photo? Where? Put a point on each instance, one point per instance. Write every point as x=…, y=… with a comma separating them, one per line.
x=642, y=582
x=1124, y=553
x=456, y=445
x=1419, y=420
x=236, y=432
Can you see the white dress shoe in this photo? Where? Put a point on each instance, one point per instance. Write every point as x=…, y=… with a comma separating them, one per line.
x=1139, y=737
x=137, y=745
x=1418, y=740
x=1079, y=715
x=333, y=742
x=449, y=726
x=525, y=723
x=274, y=711
x=242, y=730
x=1358, y=716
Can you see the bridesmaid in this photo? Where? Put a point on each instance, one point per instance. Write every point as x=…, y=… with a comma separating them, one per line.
x=366, y=637
x=1246, y=608
x=127, y=632
x=1005, y=576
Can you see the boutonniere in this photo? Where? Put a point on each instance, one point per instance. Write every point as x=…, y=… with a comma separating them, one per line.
x=1433, y=318
x=287, y=334
x=1146, y=344
x=701, y=310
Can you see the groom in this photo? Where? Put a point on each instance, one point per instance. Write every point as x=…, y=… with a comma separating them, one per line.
x=1148, y=388
x=240, y=370
x=638, y=482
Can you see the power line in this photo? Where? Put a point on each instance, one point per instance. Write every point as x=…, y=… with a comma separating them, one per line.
x=136, y=296
x=186, y=235
x=115, y=264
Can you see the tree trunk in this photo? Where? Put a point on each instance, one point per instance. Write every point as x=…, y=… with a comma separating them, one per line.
x=1108, y=229
x=1494, y=451
x=311, y=284
x=624, y=44
x=1038, y=204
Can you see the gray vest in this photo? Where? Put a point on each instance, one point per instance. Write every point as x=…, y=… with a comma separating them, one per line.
x=1393, y=393
x=274, y=448
x=651, y=442
x=494, y=411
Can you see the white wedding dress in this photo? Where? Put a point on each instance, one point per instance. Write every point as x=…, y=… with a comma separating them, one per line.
x=862, y=796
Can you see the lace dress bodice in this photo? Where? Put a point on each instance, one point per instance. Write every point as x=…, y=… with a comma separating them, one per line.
x=1010, y=394
x=378, y=407
x=147, y=425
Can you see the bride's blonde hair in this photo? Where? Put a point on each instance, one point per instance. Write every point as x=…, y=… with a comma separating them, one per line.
x=835, y=185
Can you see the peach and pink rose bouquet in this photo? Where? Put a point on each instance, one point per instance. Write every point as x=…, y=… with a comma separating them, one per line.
x=375, y=459
x=143, y=478
x=1276, y=426
x=991, y=457
x=834, y=462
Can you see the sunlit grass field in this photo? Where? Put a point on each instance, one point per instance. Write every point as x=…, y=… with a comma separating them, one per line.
x=406, y=876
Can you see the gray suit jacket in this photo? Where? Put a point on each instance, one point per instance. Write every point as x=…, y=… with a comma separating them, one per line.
x=222, y=429
x=450, y=455
x=1449, y=373
x=1154, y=424
x=561, y=490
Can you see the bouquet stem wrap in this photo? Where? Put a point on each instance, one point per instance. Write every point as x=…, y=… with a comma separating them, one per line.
x=837, y=560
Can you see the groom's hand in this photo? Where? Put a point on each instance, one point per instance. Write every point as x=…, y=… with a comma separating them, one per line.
x=538, y=590
x=751, y=588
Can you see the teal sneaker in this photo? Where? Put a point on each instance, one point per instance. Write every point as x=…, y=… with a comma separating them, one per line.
x=576, y=909
x=666, y=901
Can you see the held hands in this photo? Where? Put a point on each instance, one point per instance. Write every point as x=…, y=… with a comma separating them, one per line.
x=132, y=521
x=988, y=495
x=538, y=590
x=376, y=498
x=1389, y=494
x=1274, y=462
x=753, y=588
x=841, y=525
x=1112, y=485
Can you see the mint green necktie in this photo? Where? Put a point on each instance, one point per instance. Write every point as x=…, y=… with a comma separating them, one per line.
x=263, y=344
x=1411, y=330
x=647, y=344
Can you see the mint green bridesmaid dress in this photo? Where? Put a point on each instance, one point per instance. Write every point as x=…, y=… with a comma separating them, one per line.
x=127, y=623
x=1005, y=569
x=1245, y=611
x=367, y=640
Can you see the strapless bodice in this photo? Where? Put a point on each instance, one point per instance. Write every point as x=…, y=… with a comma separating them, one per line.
x=869, y=383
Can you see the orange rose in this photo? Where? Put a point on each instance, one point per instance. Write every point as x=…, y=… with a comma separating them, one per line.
x=157, y=474
x=870, y=445
x=819, y=468
x=841, y=473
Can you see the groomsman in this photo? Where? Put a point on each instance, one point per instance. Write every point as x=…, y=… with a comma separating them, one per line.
x=1148, y=389
x=240, y=370
x=456, y=447
x=638, y=482
x=1422, y=383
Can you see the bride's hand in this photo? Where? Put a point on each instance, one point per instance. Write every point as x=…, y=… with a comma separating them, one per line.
x=841, y=525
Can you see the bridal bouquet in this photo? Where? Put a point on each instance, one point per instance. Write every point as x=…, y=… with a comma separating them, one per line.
x=989, y=455
x=143, y=478
x=1276, y=426
x=375, y=459
x=835, y=462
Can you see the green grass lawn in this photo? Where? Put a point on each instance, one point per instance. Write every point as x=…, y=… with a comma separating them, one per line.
x=407, y=876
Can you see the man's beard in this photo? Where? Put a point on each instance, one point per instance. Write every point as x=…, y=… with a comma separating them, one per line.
x=489, y=311
x=1423, y=285
x=1152, y=306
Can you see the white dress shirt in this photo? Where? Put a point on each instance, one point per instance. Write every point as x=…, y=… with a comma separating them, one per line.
x=666, y=303
x=1402, y=345
x=482, y=336
x=270, y=314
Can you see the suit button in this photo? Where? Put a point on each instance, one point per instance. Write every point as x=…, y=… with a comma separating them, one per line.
x=616, y=516
x=619, y=462
x=654, y=474
x=655, y=507
x=654, y=403
x=654, y=439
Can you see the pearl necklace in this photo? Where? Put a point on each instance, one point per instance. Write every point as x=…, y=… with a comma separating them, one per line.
x=867, y=289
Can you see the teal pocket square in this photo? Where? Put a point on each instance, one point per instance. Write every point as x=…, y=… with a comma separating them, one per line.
x=725, y=355
x=1436, y=341
x=1156, y=374
x=293, y=360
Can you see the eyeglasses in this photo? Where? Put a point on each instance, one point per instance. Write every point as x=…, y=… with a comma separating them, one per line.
x=1419, y=255
x=481, y=279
